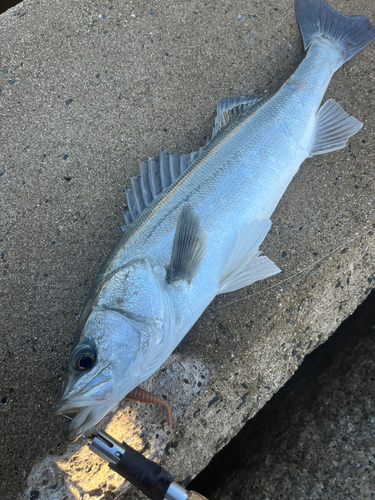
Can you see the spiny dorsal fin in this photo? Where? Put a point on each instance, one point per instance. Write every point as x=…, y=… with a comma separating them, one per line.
x=157, y=173
x=232, y=106
x=188, y=246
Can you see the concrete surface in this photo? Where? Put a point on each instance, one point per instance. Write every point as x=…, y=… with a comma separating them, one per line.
x=86, y=90
x=315, y=439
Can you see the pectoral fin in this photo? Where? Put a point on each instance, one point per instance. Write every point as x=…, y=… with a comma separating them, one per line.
x=188, y=246
x=333, y=128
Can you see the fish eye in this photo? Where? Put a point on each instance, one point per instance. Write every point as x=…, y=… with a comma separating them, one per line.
x=83, y=358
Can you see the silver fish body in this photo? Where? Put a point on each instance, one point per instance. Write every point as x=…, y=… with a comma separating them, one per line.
x=136, y=314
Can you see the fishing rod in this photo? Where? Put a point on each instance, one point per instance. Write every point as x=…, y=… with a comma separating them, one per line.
x=149, y=477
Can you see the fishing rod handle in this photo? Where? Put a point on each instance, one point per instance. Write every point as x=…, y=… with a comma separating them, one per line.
x=149, y=477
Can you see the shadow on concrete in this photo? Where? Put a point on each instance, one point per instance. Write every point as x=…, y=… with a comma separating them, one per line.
x=7, y=4
x=308, y=396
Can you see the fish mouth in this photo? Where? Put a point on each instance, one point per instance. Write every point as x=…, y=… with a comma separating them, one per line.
x=90, y=401
x=75, y=391
x=89, y=411
x=84, y=420
x=72, y=405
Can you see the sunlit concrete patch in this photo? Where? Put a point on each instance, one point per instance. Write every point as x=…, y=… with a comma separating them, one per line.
x=86, y=475
x=80, y=473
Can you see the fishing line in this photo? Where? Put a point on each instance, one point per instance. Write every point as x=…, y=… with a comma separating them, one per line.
x=310, y=266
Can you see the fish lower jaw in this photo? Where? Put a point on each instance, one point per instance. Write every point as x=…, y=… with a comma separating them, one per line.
x=86, y=418
x=78, y=405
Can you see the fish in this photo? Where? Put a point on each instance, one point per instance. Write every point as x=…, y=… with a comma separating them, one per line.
x=195, y=221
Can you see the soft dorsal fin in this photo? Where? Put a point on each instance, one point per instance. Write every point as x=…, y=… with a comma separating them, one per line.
x=157, y=173
x=232, y=106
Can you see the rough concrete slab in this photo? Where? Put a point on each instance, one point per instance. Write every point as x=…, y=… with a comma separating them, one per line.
x=86, y=90
x=315, y=439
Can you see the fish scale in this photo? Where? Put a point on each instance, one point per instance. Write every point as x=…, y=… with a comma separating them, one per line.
x=247, y=156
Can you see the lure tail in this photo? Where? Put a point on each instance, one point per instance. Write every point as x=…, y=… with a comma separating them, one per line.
x=143, y=396
x=319, y=21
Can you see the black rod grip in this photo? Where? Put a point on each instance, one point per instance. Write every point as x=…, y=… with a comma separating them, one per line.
x=146, y=475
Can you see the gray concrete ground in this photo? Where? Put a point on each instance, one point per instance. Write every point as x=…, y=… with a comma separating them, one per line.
x=86, y=90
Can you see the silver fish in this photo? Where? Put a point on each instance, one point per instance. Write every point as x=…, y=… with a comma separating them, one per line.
x=195, y=222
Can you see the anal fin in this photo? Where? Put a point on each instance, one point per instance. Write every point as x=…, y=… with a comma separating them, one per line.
x=251, y=270
x=333, y=128
x=245, y=266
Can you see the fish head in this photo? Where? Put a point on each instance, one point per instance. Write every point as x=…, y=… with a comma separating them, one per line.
x=123, y=336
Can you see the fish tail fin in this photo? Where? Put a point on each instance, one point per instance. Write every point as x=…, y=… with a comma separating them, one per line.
x=320, y=21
